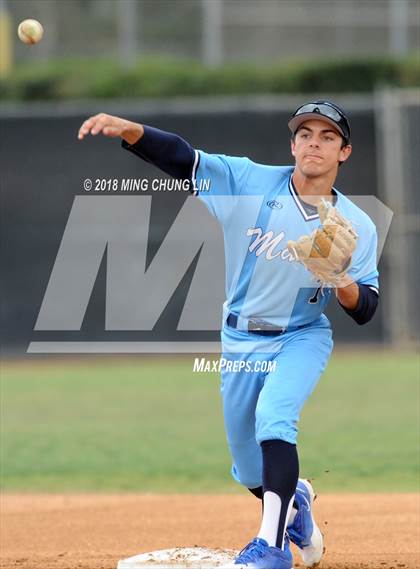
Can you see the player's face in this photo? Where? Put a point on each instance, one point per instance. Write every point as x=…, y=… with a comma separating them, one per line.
x=317, y=148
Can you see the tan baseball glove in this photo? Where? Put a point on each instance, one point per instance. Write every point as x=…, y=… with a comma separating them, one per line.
x=328, y=250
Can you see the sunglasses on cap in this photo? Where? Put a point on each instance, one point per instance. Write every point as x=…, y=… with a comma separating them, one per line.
x=321, y=109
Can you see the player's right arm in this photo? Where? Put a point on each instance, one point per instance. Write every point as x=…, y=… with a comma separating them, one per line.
x=112, y=126
x=165, y=150
x=173, y=155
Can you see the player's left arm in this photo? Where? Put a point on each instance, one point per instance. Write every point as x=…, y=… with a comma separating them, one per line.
x=360, y=301
x=358, y=291
x=348, y=293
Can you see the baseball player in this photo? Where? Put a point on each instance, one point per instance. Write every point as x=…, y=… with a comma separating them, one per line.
x=292, y=241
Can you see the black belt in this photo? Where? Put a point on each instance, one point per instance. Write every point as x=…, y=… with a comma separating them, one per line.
x=258, y=326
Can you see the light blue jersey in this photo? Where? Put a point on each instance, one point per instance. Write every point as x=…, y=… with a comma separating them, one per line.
x=260, y=211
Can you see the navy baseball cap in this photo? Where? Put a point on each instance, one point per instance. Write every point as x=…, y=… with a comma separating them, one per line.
x=322, y=110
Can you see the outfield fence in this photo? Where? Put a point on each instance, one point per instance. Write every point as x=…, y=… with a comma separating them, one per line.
x=43, y=167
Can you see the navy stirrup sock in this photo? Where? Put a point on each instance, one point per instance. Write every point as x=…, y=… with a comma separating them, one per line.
x=280, y=476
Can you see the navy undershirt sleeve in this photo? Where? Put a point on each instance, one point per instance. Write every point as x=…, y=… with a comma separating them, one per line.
x=366, y=307
x=168, y=152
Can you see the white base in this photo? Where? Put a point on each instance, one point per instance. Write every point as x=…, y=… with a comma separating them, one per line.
x=179, y=558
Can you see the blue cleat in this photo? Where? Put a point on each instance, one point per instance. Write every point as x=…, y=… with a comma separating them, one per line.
x=259, y=555
x=304, y=532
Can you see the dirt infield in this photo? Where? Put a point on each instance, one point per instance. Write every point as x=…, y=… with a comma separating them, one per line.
x=95, y=531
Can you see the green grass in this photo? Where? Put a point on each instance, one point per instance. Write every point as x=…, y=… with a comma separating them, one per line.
x=154, y=426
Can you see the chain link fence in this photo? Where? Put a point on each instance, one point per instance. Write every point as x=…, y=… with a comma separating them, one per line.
x=218, y=31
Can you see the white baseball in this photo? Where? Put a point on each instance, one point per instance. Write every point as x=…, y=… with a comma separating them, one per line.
x=30, y=31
